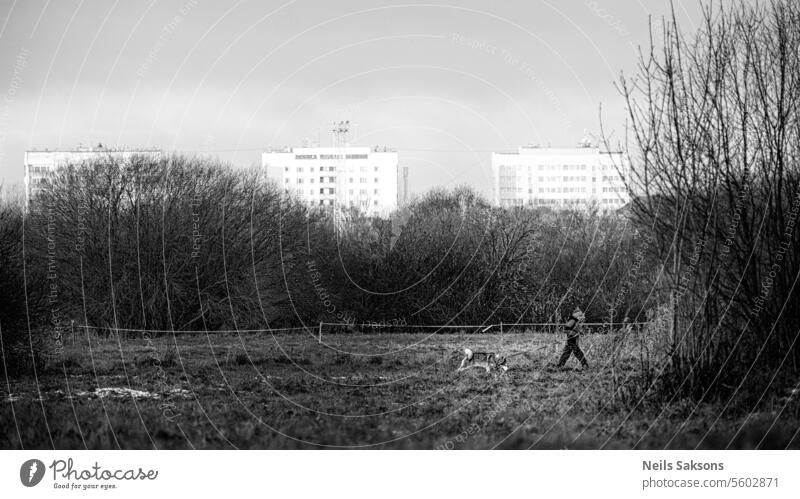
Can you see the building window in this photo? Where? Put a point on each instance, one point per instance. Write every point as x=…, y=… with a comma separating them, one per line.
x=351, y=180
x=330, y=180
x=286, y=169
x=330, y=190
x=363, y=169
x=322, y=191
x=376, y=192
x=299, y=180
x=356, y=156
x=305, y=156
x=299, y=169
x=376, y=180
x=376, y=168
x=363, y=180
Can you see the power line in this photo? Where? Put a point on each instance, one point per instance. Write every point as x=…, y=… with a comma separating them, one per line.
x=266, y=149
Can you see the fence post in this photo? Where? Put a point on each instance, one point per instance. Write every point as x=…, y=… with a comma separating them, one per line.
x=72, y=330
x=320, y=332
x=501, y=327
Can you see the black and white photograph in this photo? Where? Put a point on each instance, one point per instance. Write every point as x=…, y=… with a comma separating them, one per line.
x=455, y=225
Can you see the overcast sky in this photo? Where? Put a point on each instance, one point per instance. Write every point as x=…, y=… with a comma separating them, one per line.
x=435, y=80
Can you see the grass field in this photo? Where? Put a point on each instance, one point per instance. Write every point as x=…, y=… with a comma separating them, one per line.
x=362, y=390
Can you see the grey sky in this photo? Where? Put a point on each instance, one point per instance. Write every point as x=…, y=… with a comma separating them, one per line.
x=431, y=80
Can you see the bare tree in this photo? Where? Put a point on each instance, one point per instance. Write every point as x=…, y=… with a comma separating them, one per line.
x=714, y=129
x=175, y=243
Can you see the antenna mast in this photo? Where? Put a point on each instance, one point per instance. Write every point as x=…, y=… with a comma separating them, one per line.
x=340, y=130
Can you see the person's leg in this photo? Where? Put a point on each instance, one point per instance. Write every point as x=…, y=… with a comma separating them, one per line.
x=565, y=354
x=579, y=353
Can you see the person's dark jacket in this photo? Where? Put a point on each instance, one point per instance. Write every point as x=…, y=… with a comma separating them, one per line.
x=572, y=327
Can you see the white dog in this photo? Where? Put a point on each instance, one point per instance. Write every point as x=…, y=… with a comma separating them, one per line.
x=485, y=360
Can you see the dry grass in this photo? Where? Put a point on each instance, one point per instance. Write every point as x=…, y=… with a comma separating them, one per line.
x=355, y=390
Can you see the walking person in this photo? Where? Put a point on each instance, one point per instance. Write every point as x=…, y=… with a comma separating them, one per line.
x=573, y=330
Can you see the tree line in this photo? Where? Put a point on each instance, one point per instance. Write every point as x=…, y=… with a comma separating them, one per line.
x=181, y=243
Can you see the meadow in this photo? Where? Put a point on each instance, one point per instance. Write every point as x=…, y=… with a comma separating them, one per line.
x=392, y=390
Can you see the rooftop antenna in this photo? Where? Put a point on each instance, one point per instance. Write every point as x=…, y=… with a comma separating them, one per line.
x=405, y=185
x=340, y=130
x=586, y=140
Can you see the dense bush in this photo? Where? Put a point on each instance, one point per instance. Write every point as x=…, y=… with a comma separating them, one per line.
x=23, y=314
x=182, y=243
x=716, y=126
x=12, y=298
x=175, y=243
x=456, y=259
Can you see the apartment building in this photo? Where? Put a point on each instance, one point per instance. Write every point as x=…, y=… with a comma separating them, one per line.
x=363, y=177
x=41, y=165
x=575, y=177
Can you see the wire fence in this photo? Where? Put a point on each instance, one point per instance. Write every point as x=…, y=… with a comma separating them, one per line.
x=335, y=328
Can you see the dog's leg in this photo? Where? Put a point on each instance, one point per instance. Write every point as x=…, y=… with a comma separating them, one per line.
x=461, y=367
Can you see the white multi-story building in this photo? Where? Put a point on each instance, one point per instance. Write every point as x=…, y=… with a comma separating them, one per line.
x=363, y=177
x=40, y=165
x=576, y=177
